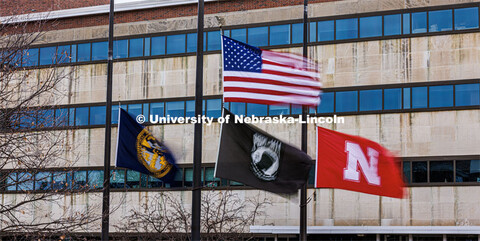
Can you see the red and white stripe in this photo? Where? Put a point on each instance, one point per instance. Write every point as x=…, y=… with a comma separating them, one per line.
x=285, y=79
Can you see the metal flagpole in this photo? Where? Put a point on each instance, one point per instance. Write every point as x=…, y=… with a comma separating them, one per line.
x=108, y=130
x=197, y=142
x=303, y=190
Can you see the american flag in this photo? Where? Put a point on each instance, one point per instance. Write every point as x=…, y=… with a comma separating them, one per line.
x=254, y=75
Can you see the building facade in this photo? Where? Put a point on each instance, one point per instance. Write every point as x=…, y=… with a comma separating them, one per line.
x=402, y=73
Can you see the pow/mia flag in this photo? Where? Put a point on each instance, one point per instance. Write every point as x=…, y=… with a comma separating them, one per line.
x=255, y=158
x=138, y=150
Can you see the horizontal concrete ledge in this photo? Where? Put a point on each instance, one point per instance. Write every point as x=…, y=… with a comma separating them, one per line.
x=368, y=229
x=100, y=9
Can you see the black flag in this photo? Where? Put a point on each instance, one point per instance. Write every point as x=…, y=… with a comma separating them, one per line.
x=255, y=158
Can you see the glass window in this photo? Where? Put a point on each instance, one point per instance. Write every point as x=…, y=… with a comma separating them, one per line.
x=440, y=20
x=83, y=52
x=258, y=36
x=190, y=109
x=406, y=172
x=256, y=109
x=346, y=101
x=191, y=42
x=347, y=28
x=466, y=18
x=406, y=23
x=99, y=50
x=146, y=51
x=30, y=58
x=419, y=22
x=296, y=109
x=175, y=108
x=133, y=179
x=97, y=115
x=71, y=117
x=157, y=109
x=326, y=102
x=25, y=181
x=393, y=99
x=74, y=53
x=371, y=26
x=467, y=94
x=214, y=108
x=95, y=179
x=115, y=112
x=135, y=110
x=63, y=54
x=178, y=180
x=240, y=34
x=146, y=108
x=117, y=178
x=326, y=30
x=441, y=171
x=312, y=32
x=280, y=34
x=441, y=96
x=210, y=180
x=188, y=177
x=79, y=179
x=392, y=25
x=279, y=110
x=226, y=33
x=176, y=44
x=297, y=33
x=47, y=55
x=467, y=171
x=158, y=45
x=11, y=182
x=154, y=182
x=43, y=181
x=406, y=98
x=61, y=117
x=370, y=100
x=419, y=172
x=60, y=181
x=237, y=108
x=419, y=97
x=136, y=47
x=120, y=49
x=81, y=116
x=213, y=40
x=45, y=118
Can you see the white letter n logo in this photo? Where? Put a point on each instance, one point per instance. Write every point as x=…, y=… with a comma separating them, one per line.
x=355, y=155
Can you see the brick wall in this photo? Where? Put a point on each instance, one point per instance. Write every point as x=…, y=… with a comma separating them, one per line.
x=15, y=7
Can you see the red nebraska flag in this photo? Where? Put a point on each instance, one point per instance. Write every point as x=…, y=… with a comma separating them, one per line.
x=356, y=164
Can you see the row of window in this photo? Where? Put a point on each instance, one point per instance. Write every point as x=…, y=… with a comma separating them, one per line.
x=333, y=102
x=330, y=29
x=415, y=172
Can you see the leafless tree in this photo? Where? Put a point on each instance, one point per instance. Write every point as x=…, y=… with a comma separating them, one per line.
x=224, y=216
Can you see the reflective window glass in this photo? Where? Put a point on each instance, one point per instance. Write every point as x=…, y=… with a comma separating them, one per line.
x=467, y=94
x=79, y=179
x=466, y=18
x=115, y=112
x=406, y=98
x=312, y=32
x=146, y=108
x=95, y=179
x=60, y=181
x=467, y=171
x=117, y=178
x=157, y=109
x=326, y=30
x=346, y=101
x=146, y=51
x=11, y=182
x=176, y=44
x=71, y=117
x=136, y=47
x=214, y=108
x=154, y=182
x=237, y=108
x=25, y=181
x=419, y=172
x=280, y=34
x=61, y=117
x=210, y=179
x=347, y=29
x=63, y=54
x=120, y=49
x=393, y=99
x=370, y=100
x=83, y=52
x=74, y=53
x=43, y=181
x=441, y=171
x=392, y=25
x=213, y=40
x=256, y=109
x=406, y=171
x=296, y=109
x=279, y=110
x=97, y=115
x=406, y=23
x=240, y=34
x=441, y=96
x=99, y=50
x=191, y=42
x=326, y=102
x=81, y=116
x=188, y=177
x=440, y=20
x=45, y=118
x=158, y=45
x=48, y=55
x=258, y=36
x=297, y=33
x=190, y=108
x=419, y=22
x=175, y=108
x=133, y=179
x=371, y=26
x=30, y=58
x=177, y=180
x=419, y=97
x=135, y=110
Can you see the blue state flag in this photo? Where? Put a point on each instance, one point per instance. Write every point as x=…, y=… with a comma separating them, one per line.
x=138, y=150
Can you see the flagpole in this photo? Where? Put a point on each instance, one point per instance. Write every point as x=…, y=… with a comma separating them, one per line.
x=197, y=142
x=108, y=130
x=303, y=190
